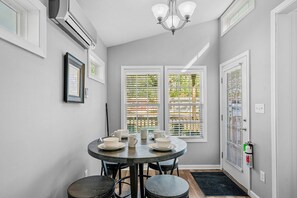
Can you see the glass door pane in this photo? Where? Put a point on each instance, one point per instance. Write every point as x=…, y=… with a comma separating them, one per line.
x=234, y=118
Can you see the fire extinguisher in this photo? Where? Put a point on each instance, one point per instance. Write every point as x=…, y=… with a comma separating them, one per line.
x=248, y=149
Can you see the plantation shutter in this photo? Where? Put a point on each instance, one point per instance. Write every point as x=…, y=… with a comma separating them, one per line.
x=185, y=113
x=142, y=100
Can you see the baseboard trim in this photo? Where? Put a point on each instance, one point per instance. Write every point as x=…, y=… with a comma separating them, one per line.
x=201, y=167
x=253, y=195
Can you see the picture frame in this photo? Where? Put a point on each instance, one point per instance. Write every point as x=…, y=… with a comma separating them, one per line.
x=74, y=79
x=96, y=67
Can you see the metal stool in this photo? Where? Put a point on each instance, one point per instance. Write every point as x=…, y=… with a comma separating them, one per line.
x=166, y=186
x=111, y=169
x=165, y=166
x=92, y=187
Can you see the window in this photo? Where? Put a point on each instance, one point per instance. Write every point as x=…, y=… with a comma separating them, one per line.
x=185, y=96
x=141, y=98
x=184, y=101
x=8, y=18
x=23, y=23
x=235, y=13
x=96, y=67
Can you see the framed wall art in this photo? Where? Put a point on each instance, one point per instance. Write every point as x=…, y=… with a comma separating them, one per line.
x=74, y=79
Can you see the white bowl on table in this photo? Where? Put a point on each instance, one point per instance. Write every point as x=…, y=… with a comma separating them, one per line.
x=163, y=142
x=125, y=132
x=111, y=142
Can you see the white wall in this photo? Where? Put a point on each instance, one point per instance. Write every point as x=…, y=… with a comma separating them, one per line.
x=253, y=33
x=43, y=141
x=179, y=49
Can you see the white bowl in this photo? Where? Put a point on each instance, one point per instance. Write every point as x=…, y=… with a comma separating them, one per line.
x=163, y=142
x=159, y=134
x=111, y=141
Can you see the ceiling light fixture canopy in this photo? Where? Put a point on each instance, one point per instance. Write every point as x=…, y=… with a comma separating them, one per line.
x=172, y=18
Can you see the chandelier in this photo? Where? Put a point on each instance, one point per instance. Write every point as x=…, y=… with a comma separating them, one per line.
x=170, y=17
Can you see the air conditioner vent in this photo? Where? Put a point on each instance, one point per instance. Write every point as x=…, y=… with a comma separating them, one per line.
x=70, y=17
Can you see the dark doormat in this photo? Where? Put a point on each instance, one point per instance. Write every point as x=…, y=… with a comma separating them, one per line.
x=217, y=184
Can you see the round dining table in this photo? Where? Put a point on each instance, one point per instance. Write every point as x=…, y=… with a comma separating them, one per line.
x=136, y=156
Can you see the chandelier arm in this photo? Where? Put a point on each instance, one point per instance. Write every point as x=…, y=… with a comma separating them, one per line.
x=181, y=17
x=165, y=27
x=178, y=28
x=165, y=18
x=182, y=25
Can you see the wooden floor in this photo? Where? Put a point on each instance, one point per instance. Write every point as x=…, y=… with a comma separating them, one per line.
x=195, y=191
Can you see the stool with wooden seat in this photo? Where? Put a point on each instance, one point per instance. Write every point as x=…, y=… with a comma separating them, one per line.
x=92, y=187
x=166, y=186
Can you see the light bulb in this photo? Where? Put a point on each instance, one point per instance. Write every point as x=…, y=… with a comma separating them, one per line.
x=187, y=8
x=160, y=10
x=172, y=21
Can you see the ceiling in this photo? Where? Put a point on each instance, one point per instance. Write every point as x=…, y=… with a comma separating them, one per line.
x=122, y=21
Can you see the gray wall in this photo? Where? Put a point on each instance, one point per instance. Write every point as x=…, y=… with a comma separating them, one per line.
x=286, y=73
x=253, y=33
x=179, y=49
x=43, y=140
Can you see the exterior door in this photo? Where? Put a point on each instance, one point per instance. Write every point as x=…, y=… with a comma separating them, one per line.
x=235, y=117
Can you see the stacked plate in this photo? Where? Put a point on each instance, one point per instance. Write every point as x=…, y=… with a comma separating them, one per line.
x=116, y=146
x=155, y=146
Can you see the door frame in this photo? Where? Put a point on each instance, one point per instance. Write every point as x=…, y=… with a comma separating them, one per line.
x=285, y=7
x=246, y=55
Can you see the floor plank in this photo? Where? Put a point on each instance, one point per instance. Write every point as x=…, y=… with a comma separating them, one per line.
x=195, y=191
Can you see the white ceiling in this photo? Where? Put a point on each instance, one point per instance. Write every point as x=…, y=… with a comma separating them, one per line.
x=122, y=21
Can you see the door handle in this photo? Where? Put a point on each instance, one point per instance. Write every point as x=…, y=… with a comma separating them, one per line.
x=243, y=129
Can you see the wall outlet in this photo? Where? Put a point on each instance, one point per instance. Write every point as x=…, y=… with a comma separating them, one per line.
x=262, y=176
x=259, y=108
x=86, y=173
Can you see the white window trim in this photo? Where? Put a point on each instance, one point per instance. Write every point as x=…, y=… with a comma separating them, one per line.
x=230, y=11
x=100, y=66
x=21, y=42
x=203, y=71
x=140, y=69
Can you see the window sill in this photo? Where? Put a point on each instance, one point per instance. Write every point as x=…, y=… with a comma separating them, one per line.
x=192, y=139
x=18, y=41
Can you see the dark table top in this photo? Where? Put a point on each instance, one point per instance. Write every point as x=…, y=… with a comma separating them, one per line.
x=141, y=153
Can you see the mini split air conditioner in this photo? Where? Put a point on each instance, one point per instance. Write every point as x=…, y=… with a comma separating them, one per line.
x=69, y=16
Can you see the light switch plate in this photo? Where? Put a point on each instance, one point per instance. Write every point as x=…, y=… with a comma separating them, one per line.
x=259, y=108
x=262, y=176
x=86, y=92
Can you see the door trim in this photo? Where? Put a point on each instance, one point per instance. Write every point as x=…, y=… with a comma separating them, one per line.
x=285, y=7
x=246, y=55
